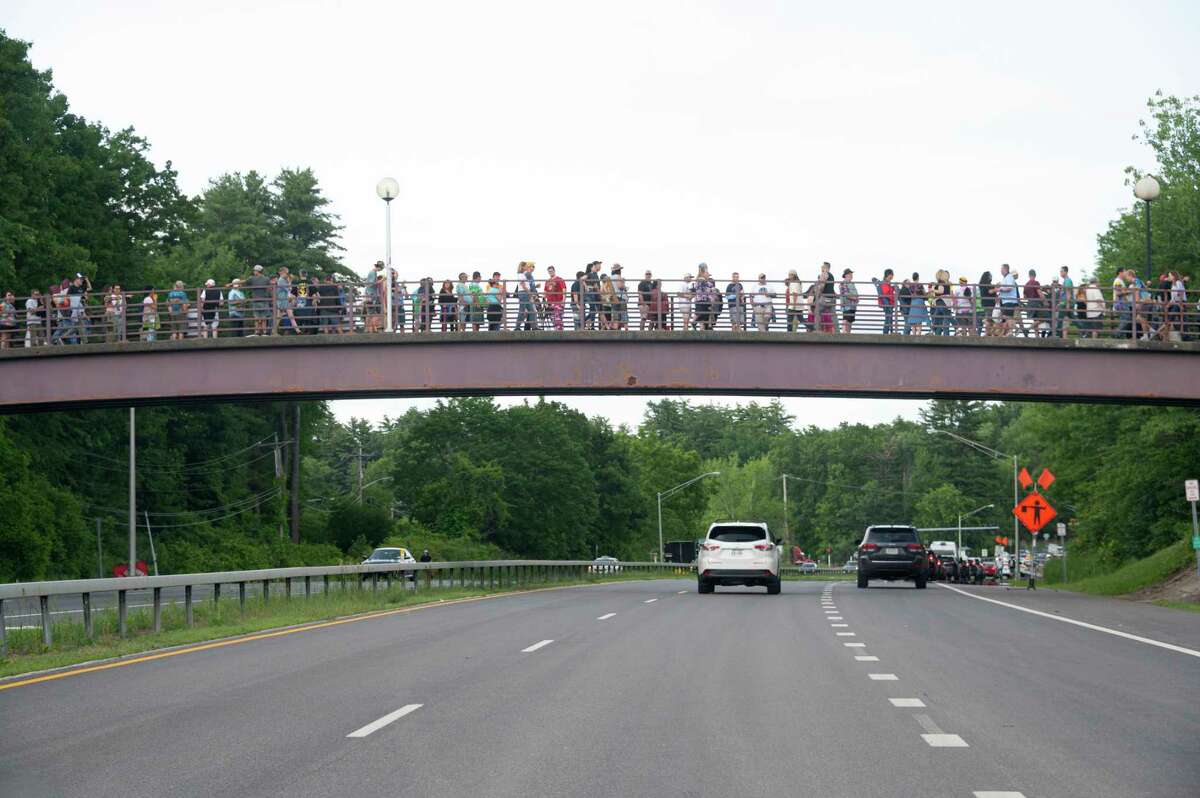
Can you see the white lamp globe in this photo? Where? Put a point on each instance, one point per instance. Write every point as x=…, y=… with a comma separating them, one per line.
x=1146, y=189
x=388, y=189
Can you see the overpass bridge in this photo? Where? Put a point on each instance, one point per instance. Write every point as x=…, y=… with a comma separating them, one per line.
x=599, y=362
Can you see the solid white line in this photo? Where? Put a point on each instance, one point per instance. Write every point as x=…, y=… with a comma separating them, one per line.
x=944, y=741
x=883, y=677
x=907, y=702
x=606, y=617
x=866, y=658
x=649, y=601
x=376, y=725
x=845, y=634
x=998, y=794
x=1116, y=633
x=855, y=645
x=536, y=646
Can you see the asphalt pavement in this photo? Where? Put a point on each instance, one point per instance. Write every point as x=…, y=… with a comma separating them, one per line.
x=645, y=688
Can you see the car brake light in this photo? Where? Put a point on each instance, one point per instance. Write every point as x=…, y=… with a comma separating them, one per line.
x=763, y=546
x=913, y=547
x=868, y=547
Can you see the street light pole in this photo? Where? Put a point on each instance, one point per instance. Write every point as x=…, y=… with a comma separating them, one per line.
x=786, y=534
x=387, y=189
x=132, y=492
x=664, y=494
x=961, y=516
x=990, y=452
x=1147, y=190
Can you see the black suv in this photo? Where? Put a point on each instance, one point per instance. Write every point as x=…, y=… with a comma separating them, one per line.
x=892, y=552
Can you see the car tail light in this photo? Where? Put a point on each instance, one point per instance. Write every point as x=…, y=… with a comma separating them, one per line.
x=913, y=547
x=767, y=572
x=763, y=546
x=710, y=546
x=868, y=547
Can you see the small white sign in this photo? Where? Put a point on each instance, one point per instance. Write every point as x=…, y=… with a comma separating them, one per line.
x=1062, y=530
x=1192, y=487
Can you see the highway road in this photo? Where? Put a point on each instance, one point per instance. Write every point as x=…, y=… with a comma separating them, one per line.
x=645, y=688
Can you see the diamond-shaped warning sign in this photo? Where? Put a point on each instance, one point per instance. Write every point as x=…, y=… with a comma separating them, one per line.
x=1025, y=479
x=1045, y=479
x=1034, y=512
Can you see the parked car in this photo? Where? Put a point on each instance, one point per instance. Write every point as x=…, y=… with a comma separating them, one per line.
x=850, y=567
x=389, y=555
x=738, y=553
x=808, y=567
x=892, y=552
x=605, y=565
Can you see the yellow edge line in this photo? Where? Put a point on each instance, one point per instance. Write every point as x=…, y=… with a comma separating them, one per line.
x=265, y=635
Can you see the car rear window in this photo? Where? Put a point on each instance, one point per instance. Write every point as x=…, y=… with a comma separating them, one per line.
x=892, y=535
x=737, y=534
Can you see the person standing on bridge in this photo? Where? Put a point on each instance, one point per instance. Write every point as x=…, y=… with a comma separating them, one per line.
x=622, y=309
x=918, y=313
x=987, y=306
x=177, y=308
x=887, y=300
x=735, y=295
x=1035, y=305
x=8, y=319
x=493, y=303
x=260, y=299
x=643, y=290
x=706, y=297
x=793, y=301
x=848, y=292
x=762, y=304
x=209, y=301
x=825, y=294
x=284, y=301
x=35, y=320
x=462, y=296
x=235, y=302
x=150, y=315
x=941, y=299
x=525, y=291
x=555, y=289
x=448, y=305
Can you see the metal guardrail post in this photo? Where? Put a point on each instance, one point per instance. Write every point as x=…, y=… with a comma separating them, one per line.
x=216, y=594
x=122, y=613
x=44, y=601
x=158, y=609
x=374, y=581
x=308, y=587
x=266, y=590
x=86, y=601
x=325, y=584
x=287, y=588
x=3, y=632
x=242, y=597
x=187, y=604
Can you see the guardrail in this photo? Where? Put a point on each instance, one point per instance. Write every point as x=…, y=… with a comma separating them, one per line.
x=473, y=573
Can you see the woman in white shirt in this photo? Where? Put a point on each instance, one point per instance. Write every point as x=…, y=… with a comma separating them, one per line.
x=687, y=293
x=1096, y=306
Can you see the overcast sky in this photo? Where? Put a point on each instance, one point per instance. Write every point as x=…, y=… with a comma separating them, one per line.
x=750, y=135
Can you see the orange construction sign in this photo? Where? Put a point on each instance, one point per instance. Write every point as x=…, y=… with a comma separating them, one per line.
x=1034, y=512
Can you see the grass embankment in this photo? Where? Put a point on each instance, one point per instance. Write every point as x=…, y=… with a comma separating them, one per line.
x=212, y=621
x=1090, y=574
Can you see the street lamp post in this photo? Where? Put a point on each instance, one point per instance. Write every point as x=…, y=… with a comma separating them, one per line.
x=388, y=189
x=664, y=494
x=990, y=452
x=1147, y=190
x=961, y=516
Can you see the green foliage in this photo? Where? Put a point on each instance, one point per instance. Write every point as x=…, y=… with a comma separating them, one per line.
x=75, y=196
x=1134, y=575
x=1173, y=133
x=349, y=521
x=714, y=431
x=941, y=506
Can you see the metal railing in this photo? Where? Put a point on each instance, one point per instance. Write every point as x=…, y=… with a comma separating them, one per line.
x=838, y=307
x=483, y=574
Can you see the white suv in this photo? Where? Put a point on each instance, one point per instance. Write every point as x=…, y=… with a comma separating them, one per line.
x=738, y=553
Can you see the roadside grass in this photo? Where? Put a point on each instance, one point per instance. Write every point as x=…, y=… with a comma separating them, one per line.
x=1190, y=606
x=211, y=620
x=1132, y=576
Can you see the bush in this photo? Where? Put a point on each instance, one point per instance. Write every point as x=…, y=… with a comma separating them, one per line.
x=349, y=521
x=413, y=536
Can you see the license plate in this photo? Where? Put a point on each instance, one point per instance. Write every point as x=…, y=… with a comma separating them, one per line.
x=891, y=551
x=735, y=552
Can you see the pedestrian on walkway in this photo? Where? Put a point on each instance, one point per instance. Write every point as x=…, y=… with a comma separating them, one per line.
x=554, y=290
x=793, y=301
x=35, y=319
x=177, y=308
x=260, y=299
x=887, y=300
x=848, y=292
x=762, y=304
x=735, y=299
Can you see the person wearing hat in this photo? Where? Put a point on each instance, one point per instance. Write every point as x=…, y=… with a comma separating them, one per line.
x=964, y=308
x=373, y=287
x=210, y=300
x=687, y=293
x=260, y=299
x=643, y=290
x=235, y=302
x=849, y=294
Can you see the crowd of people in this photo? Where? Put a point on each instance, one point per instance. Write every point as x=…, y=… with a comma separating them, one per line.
x=1006, y=304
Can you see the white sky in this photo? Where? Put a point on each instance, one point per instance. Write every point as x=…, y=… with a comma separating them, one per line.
x=750, y=135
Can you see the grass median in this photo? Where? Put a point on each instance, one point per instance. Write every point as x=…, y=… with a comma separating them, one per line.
x=216, y=620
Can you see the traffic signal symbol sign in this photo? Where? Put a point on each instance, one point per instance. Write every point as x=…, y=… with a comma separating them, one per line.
x=1034, y=512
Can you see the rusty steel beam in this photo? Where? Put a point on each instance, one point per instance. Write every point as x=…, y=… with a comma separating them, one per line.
x=775, y=364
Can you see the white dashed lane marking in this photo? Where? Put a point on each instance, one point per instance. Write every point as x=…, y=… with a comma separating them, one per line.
x=883, y=677
x=681, y=592
x=845, y=634
x=998, y=794
x=866, y=658
x=945, y=741
x=649, y=601
x=376, y=725
x=839, y=625
x=606, y=616
x=911, y=703
x=536, y=646
x=855, y=645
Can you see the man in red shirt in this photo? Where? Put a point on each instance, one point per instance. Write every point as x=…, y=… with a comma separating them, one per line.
x=555, y=289
x=1034, y=305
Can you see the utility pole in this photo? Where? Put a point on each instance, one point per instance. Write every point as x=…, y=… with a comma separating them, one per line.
x=786, y=536
x=360, y=472
x=99, y=553
x=132, y=491
x=294, y=495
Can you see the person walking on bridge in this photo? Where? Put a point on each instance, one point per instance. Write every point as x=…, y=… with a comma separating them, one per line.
x=260, y=299
x=887, y=300
x=555, y=289
x=848, y=292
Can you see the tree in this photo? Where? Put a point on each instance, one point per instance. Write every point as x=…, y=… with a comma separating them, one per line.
x=1173, y=133
x=349, y=520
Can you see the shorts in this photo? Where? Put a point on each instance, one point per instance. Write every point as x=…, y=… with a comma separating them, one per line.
x=1008, y=310
x=260, y=309
x=848, y=315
